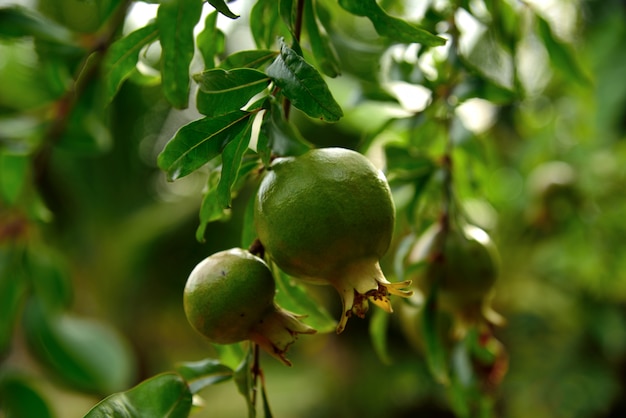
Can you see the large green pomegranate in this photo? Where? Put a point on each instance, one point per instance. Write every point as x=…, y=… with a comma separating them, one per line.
x=327, y=216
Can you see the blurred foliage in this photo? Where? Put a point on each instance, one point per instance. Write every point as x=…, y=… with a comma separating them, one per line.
x=517, y=122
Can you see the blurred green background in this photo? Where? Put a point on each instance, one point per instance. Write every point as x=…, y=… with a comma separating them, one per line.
x=116, y=242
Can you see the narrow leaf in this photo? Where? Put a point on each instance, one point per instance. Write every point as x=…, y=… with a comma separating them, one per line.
x=243, y=379
x=231, y=162
x=122, y=57
x=561, y=55
x=391, y=27
x=198, y=142
x=176, y=20
x=248, y=59
x=323, y=50
x=223, y=91
x=436, y=354
x=210, y=41
x=220, y=6
x=379, y=323
x=165, y=396
x=203, y=373
x=287, y=13
x=18, y=21
x=303, y=85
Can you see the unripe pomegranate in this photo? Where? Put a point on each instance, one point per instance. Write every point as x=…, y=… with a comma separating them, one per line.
x=229, y=297
x=327, y=217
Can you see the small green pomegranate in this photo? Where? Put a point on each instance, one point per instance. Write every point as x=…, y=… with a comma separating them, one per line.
x=229, y=297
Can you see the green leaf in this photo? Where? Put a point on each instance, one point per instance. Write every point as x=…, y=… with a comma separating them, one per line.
x=66, y=344
x=17, y=21
x=476, y=86
x=12, y=292
x=279, y=136
x=198, y=142
x=436, y=354
x=49, y=278
x=379, y=322
x=13, y=171
x=176, y=20
x=121, y=59
x=231, y=355
x=20, y=399
x=266, y=24
x=243, y=379
x=303, y=85
x=292, y=296
x=562, y=56
x=391, y=27
x=231, y=163
x=287, y=13
x=210, y=209
x=203, y=373
x=220, y=6
x=165, y=396
x=210, y=41
x=224, y=91
x=323, y=50
x=248, y=59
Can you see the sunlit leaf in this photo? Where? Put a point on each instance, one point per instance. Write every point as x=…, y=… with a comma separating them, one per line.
x=210, y=41
x=20, y=399
x=254, y=58
x=176, y=20
x=224, y=91
x=321, y=46
x=293, y=297
x=391, y=27
x=198, y=142
x=231, y=162
x=122, y=57
x=222, y=7
x=203, y=373
x=86, y=354
x=165, y=396
x=303, y=85
x=561, y=55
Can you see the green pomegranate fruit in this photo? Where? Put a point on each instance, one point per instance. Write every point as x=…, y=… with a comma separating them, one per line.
x=327, y=217
x=229, y=297
x=463, y=263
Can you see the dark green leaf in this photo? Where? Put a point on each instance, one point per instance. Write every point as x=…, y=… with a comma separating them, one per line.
x=17, y=21
x=436, y=354
x=243, y=379
x=203, y=373
x=210, y=210
x=266, y=25
x=391, y=27
x=122, y=57
x=279, y=136
x=176, y=20
x=303, y=85
x=210, y=41
x=165, y=396
x=223, y=91
x=248, y=231
x=12, y=292
x=21, y=400
x=49, y=278
x=220, y=6
x=323, y=50
x=562, y=56
x=248, y=59
x=231, y=162
x=291, y=296
x=67, y=346
x=476, y=86
x=379, y=323
x=198, y=142
x=287, y=13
